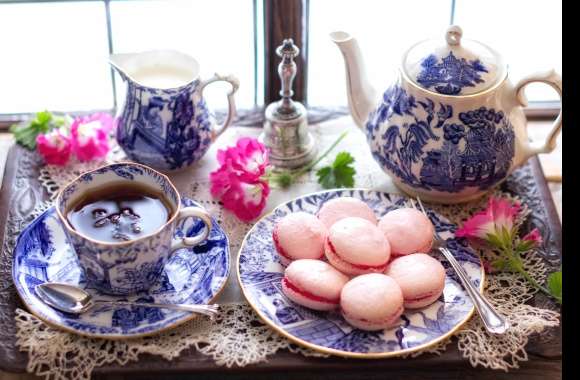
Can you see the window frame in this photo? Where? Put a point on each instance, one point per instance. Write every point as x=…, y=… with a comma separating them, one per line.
x=281, y=19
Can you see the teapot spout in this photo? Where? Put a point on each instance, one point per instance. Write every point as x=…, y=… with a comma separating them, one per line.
x=361, y=95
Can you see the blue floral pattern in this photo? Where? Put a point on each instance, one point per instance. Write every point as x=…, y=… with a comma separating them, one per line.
x=165, y=129
x=261, y=274
x=192, y=276
x=450, y=75
x=429, y=148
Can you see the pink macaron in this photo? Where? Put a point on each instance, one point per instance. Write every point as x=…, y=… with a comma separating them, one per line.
x=421, y=278
x=371, y=302
x=407, y=230
x=338, y=208
x=299, y=235
x=356, y=246
x=313, y=283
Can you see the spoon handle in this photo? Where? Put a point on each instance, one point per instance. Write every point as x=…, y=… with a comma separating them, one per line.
x=209, y=310
x=494, y=322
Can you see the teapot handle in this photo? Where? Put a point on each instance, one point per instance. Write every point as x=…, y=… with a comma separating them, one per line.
x=553, y=79
x=235, y=83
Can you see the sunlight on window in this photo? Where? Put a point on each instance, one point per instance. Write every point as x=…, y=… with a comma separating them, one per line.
x=54, y=57
x=529, y=35
x=384, y=30
x=219, y=34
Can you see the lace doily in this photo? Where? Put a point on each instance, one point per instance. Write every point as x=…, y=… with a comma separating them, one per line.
x=237, y=337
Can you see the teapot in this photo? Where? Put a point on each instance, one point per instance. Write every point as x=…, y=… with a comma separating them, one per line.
x=165, y=122
x=452, y=125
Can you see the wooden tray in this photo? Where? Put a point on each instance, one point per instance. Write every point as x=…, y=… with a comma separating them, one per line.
x=21, y=192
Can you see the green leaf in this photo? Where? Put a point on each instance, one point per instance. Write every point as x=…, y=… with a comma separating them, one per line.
x=25, y=134
x=494, y=241
x=500, y=264
x=339, y=174
x=505, y=235
x=282, y=180
x=325, y=177
x=555, y=285
x=524, y=245
x=342, y=159
x=43, y=117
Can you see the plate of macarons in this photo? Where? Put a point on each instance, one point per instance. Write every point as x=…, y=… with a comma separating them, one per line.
x=353, y=273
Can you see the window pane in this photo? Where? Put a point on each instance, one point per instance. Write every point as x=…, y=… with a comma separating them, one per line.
x=528, y=35
x=384, y=30
x=219, y=34
x=55, y=57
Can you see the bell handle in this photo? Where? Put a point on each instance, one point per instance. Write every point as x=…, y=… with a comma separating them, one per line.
x=235, y=83
x=553, y=79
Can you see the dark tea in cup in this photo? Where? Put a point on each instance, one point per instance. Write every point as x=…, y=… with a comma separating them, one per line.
x=121, y=220
x=119, y=212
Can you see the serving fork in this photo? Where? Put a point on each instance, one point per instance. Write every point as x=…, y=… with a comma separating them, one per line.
x=494, y=322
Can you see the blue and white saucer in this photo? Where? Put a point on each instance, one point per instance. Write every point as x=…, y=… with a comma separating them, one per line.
x=260, y=274
x=192, y=276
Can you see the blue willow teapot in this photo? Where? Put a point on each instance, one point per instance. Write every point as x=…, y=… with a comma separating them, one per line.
x=165, y=122
x=452, y=125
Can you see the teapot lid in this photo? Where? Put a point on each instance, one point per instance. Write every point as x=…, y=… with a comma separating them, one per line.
x=460, y=67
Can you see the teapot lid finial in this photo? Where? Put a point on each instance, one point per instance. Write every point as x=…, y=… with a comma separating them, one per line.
x=457, y=67
x=453, y=35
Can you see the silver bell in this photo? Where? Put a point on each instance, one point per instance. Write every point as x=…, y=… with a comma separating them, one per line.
x=286, y=134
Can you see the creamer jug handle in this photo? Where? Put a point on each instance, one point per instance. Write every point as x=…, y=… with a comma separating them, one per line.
x=553, y=79
x=235, y=83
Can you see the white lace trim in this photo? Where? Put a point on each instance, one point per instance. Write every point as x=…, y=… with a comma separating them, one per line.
x=237, y=337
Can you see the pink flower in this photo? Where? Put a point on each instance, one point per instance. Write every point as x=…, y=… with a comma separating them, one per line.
x=491, y=223
x=54, y=147
x=245, y=199
x=238, y=183
x=533, y=237
x=248, y=158
x=90, y=136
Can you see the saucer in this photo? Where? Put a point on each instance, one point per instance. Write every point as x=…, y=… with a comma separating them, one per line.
x=192, y=276
x=260, y=273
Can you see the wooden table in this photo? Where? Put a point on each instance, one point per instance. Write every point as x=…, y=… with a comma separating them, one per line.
x=21, y=191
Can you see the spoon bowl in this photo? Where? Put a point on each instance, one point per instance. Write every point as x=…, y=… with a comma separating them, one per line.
x=64, y=297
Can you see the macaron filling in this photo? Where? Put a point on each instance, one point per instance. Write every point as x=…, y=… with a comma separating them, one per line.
x=279, y=248
x=387, y=320
x=336, y=256
x=309, y=295
x=421, y=297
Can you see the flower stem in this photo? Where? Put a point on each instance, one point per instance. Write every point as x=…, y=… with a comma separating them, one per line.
x=286, y=178
x=517, y=265
x=330, y=148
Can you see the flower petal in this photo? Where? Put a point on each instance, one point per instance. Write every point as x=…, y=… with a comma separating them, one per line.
x=90, y=136
x=54, y=147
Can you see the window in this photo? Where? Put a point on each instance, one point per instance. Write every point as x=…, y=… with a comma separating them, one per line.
x=55, y=53
x=527, y=34
x=219, y=34
x=54, y=56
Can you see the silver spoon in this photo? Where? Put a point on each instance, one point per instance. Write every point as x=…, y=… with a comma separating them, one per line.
x=492, y=320
x=72, y=299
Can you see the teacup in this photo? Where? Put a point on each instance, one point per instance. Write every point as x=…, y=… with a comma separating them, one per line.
x=126, y=267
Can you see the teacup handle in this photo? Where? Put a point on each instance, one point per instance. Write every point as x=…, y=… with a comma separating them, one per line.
x=231, y=101
x=198, y=212
x=551, y=78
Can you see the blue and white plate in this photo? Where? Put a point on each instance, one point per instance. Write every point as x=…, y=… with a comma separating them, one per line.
x=260, y=274
x=192, y=276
